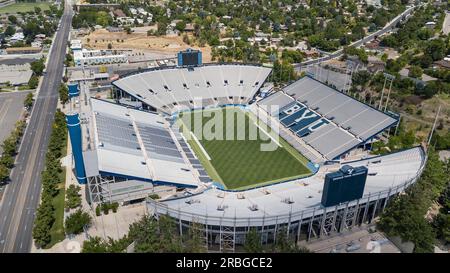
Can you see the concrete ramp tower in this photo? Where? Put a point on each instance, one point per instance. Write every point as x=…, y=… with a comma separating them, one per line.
x=73, y=125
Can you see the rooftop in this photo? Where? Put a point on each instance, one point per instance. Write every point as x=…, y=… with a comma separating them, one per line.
x=137, y=144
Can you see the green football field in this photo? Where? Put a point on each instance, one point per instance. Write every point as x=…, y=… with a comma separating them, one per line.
x=236, y=157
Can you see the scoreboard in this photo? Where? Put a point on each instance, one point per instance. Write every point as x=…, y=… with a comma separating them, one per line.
x=190, y=57
x=347, y=184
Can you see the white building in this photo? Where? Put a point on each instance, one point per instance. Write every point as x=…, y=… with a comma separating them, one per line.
x=133, y=11
x=430, y=25
x=142, y=11
x=17, y=37
x=37, y=44
x=98, y=57
x=75, y=45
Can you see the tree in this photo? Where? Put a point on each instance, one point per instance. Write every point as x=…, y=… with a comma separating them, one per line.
x=103, y=18
x=162, y=28
x=415, y=72
x=12, y=19
x=43, y=222
x=436, y=49
x=284, y=244
x=95, y=245
x=145, y=235
x=4, y=173
x=283, y=72
x=9, y=146
x=180, y=26
x=98, y=245
x=195, y=240
x=28, y=100
x=38, y=67
x=73, y=198
x=361, y=78
x=7, y=161
x=63, y=93
x=442, y=224
x=75, y=222
x=10, y=30
x=253, y=242
x=404, y=216
x=33, y=82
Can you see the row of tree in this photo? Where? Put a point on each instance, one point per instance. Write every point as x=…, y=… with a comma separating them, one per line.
x=10, y=146
x=51, y=178
x=37, y=67
x=405, y=215
x=149, y=235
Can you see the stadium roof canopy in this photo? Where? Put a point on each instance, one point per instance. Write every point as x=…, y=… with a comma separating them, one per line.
x=136, y=145
x=175, y=89
x=326, y=119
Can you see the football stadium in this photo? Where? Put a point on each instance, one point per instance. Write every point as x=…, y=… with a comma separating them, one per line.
x=222, y=148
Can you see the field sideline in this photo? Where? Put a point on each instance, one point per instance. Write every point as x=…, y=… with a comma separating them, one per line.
x=240, y=163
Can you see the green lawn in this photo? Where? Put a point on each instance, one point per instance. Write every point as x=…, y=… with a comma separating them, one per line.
x=239, y=164
x=57, y=230
x=24, y=7
x=59, y=201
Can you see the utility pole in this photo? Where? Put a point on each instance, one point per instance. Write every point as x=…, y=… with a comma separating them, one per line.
x=434, y=124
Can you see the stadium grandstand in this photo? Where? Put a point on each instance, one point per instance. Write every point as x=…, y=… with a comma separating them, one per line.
x=175, y=89
x=294, y=207
x=317, y=113
x=320, y=178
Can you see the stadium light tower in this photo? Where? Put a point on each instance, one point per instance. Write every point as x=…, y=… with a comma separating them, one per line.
x=387, y=77
x=391, y=78
x=347, y=78
x=434, y=125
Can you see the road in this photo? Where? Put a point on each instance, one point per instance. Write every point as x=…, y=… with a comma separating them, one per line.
x=21, y=196
x=366, y=39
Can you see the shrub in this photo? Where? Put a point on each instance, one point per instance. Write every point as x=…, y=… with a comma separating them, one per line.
x=77, y=221
x=154, y=196
x=114, y=207
x=105, y=208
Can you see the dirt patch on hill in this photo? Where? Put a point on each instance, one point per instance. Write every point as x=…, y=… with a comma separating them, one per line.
x=167, y=45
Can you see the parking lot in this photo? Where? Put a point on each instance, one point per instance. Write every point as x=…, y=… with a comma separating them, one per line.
x=11, y=108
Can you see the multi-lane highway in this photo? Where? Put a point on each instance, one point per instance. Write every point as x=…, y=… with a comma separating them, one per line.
x=21, y=196
x=391, y=25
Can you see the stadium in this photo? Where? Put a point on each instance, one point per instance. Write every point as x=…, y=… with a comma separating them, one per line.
x=295, y=159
